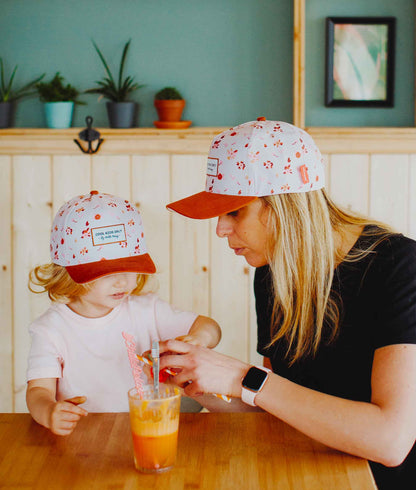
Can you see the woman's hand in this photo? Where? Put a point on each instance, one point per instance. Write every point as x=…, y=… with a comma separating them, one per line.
x=201, y=370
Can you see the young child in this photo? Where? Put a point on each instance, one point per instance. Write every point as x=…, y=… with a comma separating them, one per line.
x=78, y=354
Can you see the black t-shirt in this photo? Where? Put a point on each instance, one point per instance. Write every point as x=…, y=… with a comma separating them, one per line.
x=378, y=308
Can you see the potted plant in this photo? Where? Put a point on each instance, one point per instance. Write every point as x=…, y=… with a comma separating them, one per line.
x=59, y=100
x=121, y=111
x=9, y=96
x=169, y=105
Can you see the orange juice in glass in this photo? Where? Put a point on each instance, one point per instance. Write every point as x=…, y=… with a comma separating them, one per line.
x=154, y=425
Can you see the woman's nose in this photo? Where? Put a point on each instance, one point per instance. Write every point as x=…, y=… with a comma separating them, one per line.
x=224, y=226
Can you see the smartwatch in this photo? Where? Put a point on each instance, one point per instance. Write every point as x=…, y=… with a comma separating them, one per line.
x=253, y=382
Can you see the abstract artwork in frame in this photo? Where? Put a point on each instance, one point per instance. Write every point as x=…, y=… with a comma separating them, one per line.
x=360, y=61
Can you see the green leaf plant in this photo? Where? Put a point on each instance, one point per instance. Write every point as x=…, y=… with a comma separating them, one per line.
x=57, y=91
x=107, y=87
x=8, y=94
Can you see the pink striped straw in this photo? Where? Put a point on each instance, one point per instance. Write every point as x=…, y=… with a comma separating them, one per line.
x=173, y=373
x=134, y=362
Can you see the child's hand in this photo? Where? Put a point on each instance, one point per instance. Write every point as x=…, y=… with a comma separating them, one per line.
x=64, y=415
x=204, y=332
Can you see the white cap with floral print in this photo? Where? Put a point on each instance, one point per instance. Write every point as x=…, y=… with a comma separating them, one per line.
x=254, y=159
x=98, y=234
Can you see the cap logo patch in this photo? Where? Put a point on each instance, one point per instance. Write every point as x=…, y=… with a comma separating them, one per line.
x=212, y=166
x=104, y=235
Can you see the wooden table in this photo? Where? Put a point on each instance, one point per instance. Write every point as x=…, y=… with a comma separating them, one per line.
x=217, y=451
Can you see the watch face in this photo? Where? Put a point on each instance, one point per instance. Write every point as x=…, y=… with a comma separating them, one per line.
x=254, y=378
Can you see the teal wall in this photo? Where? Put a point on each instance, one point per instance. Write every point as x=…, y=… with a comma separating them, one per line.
x=231, y=59
x=402, y=114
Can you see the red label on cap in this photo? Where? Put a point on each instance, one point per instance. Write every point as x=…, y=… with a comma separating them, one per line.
x=304, y=174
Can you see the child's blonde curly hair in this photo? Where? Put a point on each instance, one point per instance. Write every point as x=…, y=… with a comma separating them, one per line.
x=55, y=280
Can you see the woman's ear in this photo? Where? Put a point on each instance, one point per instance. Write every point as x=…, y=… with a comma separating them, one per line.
x=265, y=213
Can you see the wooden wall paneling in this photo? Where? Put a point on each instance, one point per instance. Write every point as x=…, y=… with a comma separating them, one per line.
x=389, y=190
x=111, y=174
x=132, y=141
x=411, y=224
x=32, y=215
x=230, y=297
x=150, y=191
x=6, y=323
x=190, y=260
x=349, y=181
x=71, y=176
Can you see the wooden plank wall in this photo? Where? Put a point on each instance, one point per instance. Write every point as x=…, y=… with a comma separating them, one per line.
x=197, y=271
x=6, y=306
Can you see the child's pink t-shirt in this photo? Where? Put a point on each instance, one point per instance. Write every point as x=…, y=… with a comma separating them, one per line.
x=89, y=355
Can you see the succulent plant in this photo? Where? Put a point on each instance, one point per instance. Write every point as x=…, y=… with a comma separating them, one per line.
x=168, y=93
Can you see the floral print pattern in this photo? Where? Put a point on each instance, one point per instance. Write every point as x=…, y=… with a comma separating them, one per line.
x=96, y=227
x=261, y=158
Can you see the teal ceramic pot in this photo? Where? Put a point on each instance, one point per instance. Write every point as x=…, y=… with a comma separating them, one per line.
x=122, y=114
x=59, y=114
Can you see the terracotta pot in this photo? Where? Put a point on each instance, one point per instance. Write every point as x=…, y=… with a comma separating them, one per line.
x=169, y=110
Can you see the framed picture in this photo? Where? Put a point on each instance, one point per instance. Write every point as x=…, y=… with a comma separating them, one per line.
x=360, y=61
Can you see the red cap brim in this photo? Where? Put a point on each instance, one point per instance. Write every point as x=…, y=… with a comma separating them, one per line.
x=206, y=205
x=83, y=273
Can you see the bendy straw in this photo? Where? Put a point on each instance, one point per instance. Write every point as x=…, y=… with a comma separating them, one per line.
x=134, y=363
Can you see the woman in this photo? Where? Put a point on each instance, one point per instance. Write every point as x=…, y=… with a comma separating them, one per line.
x=335, y=300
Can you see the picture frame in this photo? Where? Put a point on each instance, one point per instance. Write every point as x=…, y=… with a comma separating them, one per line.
x=360, y=54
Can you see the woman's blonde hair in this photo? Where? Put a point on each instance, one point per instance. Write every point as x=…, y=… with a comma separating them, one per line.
x=55, y=280
x=302, y=256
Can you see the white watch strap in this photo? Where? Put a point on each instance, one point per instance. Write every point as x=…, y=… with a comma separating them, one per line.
x=249, y=396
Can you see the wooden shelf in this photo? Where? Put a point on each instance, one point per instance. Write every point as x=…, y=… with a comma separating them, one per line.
x=37, y=141
x=144, y=141
x=364, y=140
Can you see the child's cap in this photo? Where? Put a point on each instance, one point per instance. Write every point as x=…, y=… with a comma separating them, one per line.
x=257, y=158
x=99, y=234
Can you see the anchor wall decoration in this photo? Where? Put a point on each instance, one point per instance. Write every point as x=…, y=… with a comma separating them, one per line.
x=89, y=134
